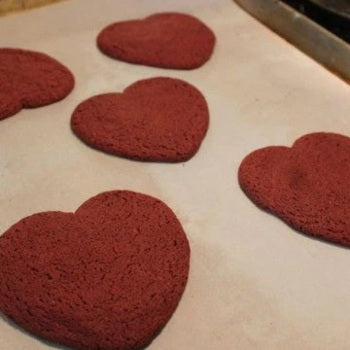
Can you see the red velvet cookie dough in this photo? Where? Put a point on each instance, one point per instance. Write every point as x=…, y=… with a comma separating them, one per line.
x=158, y=119
x=30, y=79
x=166, y=40
x=108, y=276
x=306, y=185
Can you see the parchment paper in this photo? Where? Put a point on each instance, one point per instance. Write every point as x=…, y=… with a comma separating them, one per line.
x=254, y=282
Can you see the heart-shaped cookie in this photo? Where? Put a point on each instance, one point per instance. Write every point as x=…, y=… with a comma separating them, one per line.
x=306, y=185
x=108, y=276
x=30, y=79
x=158, y=119
x=168, y=40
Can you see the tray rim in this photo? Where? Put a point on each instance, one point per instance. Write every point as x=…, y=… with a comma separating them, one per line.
x=317, y=42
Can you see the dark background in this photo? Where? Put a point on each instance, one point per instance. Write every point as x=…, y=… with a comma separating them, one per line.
x=337, y=24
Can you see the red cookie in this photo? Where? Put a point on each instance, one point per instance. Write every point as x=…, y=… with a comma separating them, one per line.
x=167, y=40
x=159, y=119
x=107, y=277
x=30, y=79
x=306, y=185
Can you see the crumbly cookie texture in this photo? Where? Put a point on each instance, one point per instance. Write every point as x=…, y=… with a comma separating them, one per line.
x=166, y=40
x=108, y=276
x=158, y=119
x=306, y=185
x=31, y=79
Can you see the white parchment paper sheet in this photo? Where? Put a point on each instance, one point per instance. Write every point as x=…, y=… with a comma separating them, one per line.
x=254, y=282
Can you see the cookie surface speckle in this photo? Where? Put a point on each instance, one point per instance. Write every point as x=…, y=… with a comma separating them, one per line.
x=306, y=185
x=108, y=276
x=167, y=40
x=158, y=119
x=30, y=79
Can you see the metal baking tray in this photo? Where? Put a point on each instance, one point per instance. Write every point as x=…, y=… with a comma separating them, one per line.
x=310, y=37
x=254, y=283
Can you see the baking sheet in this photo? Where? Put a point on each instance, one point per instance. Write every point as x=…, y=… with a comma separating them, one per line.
x=254, y=282
x=318, y=42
